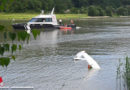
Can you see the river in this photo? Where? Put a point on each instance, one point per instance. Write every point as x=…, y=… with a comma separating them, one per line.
x=47, y=62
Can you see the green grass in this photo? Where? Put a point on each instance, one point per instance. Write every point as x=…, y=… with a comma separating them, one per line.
x=26, y=16
x=9, y=16
x=71, y=16
x=123, y=75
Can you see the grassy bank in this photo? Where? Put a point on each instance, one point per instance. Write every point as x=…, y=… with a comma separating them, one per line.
x=10, y=16
x=123, y=75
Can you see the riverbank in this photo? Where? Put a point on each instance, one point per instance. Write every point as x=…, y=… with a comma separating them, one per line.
x=27, y=16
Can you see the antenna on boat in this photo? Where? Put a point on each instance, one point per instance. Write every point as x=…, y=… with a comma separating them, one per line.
x=52, y=12
x=42, y=12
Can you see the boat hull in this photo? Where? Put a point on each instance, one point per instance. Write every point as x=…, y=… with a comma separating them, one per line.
x=36, y=26
x=63, y=27
x=22, y=26
x=19, y=26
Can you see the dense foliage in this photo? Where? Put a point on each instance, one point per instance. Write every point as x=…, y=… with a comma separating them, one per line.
x=90, y=7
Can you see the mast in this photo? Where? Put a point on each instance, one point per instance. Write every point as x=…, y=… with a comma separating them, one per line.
x=52, y=12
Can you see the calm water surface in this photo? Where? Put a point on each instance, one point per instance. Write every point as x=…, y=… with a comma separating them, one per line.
x=47, y=63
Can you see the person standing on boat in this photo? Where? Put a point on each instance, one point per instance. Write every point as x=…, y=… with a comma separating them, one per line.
x=71, y=21
x=60, y=21
x=72, y=24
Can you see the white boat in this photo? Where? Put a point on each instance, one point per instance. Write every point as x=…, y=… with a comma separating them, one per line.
x=41, y=21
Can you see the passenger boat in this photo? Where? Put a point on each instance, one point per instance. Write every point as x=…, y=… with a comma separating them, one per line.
x=41, y=21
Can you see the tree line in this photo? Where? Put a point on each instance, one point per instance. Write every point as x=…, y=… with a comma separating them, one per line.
x=90, y=7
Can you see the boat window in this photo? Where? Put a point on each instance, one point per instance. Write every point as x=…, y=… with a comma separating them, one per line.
x=48, y=19
x=37, y=20
x=33, y=20
x=41, y=20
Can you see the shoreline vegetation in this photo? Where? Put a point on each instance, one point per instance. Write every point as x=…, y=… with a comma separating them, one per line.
x=66, y=9
x=27, y=16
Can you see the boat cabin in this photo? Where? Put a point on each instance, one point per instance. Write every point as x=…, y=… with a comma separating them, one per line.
x=40, y=21
x=44, y=20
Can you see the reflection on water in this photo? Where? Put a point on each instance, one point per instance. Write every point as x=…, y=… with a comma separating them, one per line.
x=47, y=63
x=67, y=31
x=91, y=73
x=47, y=39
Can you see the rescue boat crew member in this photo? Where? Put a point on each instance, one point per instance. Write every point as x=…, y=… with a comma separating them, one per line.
x=60, y=21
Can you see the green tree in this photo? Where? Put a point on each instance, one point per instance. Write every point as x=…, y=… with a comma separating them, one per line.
x=122, y=11
x=128, y=8
x=109, y=11
x=101, y=11
x=33, y=5
x=47, y=5
x=125, y=2
x=80, y=3
x=83, y=10
x=78, y=6
x=61, y=6
x=74, y=10
x=16, y=6
x=93, y=11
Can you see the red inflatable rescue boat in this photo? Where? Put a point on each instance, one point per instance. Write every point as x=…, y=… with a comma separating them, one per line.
x=65, y=27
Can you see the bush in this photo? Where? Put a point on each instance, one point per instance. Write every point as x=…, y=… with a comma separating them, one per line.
x=122, y=11
x=128, y=8
x=83, y=10
x=101, y=12
x=74, y=10
x=96, y=11
x=93, y=11
x=109, y=11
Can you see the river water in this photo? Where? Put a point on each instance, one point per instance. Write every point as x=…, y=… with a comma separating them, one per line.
x=47, y=62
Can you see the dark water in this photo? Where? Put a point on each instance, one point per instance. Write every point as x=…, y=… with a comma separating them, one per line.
x=47, y=63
